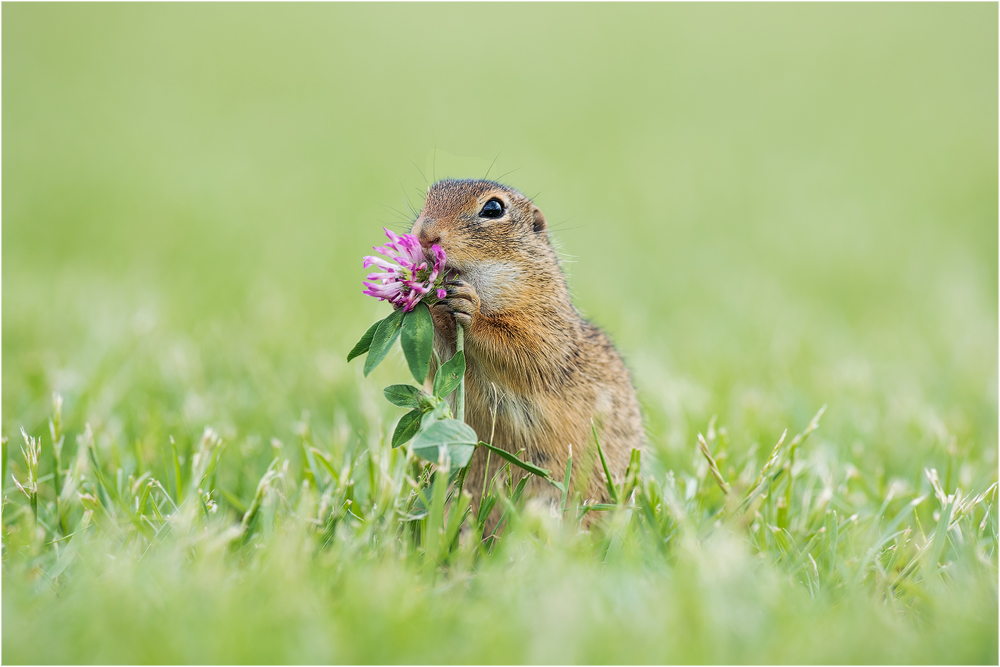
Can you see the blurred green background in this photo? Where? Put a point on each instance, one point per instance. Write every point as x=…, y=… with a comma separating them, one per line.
x=768, y=206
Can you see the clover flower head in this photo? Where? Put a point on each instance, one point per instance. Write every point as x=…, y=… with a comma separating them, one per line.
x=406, y=275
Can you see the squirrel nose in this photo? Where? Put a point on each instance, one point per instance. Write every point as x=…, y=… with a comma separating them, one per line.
x=427, y=235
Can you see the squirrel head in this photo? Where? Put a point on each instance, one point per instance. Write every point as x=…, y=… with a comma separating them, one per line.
x=497, y=241
x=478, y=222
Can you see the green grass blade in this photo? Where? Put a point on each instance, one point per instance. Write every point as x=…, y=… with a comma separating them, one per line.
x=325, y=463
x=932, y=556
x=609, y=482
x=510, y=505
x=435, y=517
x=178, y=485
x=3, y=459
x=525, y=465
x=566, y=480
x=485, y=507
x=632, y=474
x=758, y=484
x=713, y=467
x=457, y=514
x=310, y=470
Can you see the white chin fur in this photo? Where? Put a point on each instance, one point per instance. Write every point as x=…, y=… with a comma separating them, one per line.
x=493, y=281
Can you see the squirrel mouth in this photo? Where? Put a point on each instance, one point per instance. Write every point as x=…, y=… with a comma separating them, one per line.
x=449, y=271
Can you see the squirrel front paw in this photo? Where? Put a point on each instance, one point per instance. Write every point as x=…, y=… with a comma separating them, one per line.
x=460, y=302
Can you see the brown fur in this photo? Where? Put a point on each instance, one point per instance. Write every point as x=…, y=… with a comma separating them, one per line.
x=536, y=372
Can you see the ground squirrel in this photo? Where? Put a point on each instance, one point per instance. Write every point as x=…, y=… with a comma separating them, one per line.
x=530, y=357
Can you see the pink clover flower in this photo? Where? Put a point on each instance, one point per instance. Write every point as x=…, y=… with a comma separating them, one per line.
x=409, y=276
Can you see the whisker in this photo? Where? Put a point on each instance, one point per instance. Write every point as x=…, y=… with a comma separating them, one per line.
x=419, y=172
x=403, y=217
x=395, y=226
x=407, y=200
x=491, y=165
x=508, y=173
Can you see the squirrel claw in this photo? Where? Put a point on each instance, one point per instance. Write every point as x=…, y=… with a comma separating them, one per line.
x=460, y=302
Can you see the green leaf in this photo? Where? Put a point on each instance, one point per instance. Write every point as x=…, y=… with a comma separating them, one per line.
x=366, y=341
x=449, y=376
x=458, y=437
x=385, y=336
x=407, y=427
x=507, y=456
x=437, y=412
x=417, y=340
x=403, y=395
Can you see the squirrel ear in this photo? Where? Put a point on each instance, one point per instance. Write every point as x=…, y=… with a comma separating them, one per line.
x=538, y=223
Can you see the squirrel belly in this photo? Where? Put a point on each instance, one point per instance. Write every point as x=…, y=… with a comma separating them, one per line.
x=537, y=374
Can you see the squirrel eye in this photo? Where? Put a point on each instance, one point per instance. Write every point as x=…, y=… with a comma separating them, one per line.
x=492, y=209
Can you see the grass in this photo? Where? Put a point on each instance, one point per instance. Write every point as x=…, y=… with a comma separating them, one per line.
x=771, y=209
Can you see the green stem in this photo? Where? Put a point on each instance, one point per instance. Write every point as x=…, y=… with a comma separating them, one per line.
x=460, y=402
x=460, y=392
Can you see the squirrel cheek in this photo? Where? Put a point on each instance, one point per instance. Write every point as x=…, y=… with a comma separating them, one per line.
x=495, y=283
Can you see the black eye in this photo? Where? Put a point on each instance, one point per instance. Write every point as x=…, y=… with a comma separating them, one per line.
x=493, y=209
